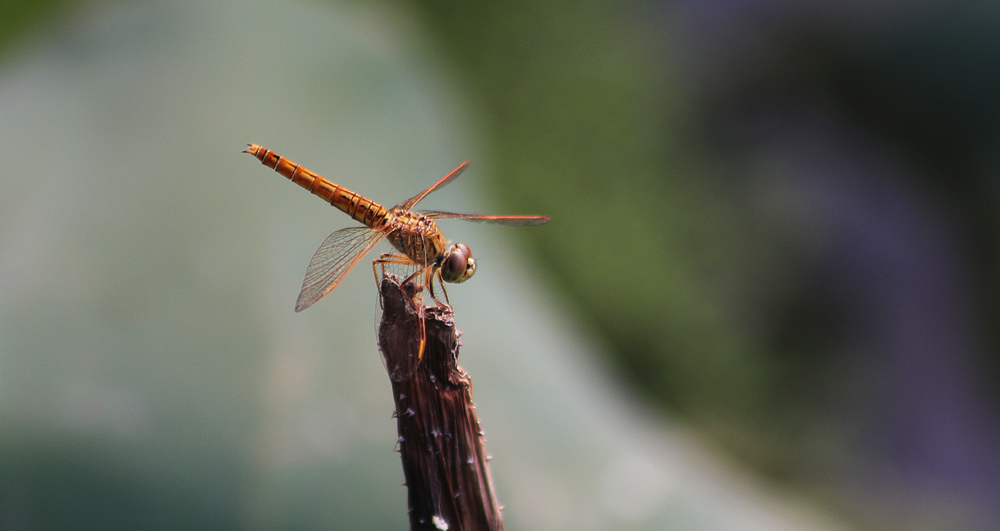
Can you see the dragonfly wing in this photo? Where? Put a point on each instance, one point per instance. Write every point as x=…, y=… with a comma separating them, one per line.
x=411, y=202
x=341, y=251
x=498, y=220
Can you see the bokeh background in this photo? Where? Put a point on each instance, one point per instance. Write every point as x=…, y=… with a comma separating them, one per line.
x=767, y=299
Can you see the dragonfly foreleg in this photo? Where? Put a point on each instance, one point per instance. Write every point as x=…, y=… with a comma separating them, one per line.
x=432, y=273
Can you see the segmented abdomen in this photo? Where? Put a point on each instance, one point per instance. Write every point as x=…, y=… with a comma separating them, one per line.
x=355, y=205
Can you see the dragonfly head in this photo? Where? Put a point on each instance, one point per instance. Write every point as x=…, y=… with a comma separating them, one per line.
x=457, y=265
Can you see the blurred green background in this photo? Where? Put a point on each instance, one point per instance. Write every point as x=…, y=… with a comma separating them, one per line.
x=767, y=298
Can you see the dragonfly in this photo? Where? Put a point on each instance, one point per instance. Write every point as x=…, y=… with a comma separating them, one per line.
x=418, y=242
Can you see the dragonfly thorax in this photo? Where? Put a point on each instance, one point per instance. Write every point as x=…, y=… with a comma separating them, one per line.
x=416, y=236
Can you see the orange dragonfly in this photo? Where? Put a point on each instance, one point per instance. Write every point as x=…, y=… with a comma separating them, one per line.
x=414, y=234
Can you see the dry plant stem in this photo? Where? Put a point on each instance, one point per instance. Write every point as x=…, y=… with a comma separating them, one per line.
x=440, y=441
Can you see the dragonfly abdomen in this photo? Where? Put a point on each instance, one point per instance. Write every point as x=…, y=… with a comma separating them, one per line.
x=353, y=204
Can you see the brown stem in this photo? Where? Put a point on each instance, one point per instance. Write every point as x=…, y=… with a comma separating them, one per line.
x=440, y=441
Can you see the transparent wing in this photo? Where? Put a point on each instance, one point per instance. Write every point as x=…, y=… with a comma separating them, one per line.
x=498, y=220
x=409, y=203
x=341, y=251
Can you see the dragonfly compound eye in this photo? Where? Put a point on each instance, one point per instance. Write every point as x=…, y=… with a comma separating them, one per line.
x=459, y=265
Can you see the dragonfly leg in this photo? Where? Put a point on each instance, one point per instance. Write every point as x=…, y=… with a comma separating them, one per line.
x=432, y=273
x=411, y=277
x=380, y=261
x=441, y=281
x=397, y=259
x=388, y=259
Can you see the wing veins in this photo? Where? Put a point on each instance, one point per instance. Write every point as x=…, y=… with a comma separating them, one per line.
x=481, y=218
x=411, y=202
x=334, y=259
